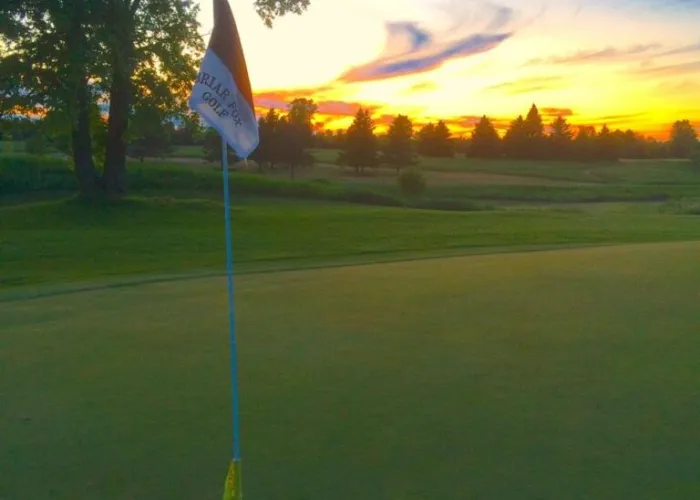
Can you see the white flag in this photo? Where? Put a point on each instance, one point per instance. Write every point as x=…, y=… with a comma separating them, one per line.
x=222, y=95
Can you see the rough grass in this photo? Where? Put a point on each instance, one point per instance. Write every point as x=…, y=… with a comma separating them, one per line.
x=553, y=375
x=69, y=241
x=26, y=174
x=187, y=152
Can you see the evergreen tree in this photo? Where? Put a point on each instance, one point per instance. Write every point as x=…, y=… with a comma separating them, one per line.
x=560, y=139
x=398, y=150
x=585, y=144
x=534, y=146
x=436, y=141
x=443, y=141
x=426, y=143
x=605, y=145
x=515, y=140
x=485, y=142
x=360, y=147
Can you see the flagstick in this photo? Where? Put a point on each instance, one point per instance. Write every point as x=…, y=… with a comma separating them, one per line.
x=232, y=325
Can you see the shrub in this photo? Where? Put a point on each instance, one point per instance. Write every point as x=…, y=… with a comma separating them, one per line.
x=412, y=182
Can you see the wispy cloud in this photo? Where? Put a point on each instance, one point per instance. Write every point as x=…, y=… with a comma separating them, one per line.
x=685, y=49
x=671, y=69
x=554, y=112
x=655, y=5
x=411, y=49
x=586, y=56
x=421, y=87
x=527, y=85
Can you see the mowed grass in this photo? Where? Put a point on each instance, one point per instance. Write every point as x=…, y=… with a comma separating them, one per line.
x=566, y=374
x=67, y=241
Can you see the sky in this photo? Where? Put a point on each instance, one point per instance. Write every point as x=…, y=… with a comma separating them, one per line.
x=628, y=63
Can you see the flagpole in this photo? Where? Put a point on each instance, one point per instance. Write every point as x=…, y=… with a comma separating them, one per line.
x=234, y=475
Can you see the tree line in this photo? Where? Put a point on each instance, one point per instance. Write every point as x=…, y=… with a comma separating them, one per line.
x=287, y=139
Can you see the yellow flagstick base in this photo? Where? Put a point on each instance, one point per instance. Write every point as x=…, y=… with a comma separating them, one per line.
x=232, y=488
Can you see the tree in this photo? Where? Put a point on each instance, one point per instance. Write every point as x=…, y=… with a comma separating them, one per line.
x=606, y=149
x=435, y=140
x=268, y=10
x=291, y=144
x=398, y=150
x=301, y=115
x=533, y=131
x=515, y=140
x=360, y=148
x=560, y=138
x=485, y=143
x=684, y=139
x=211, y=148
x=443, y=141
x=585, y=144
x=189, y=132
x=268, y=151
x=149, y=135
x=51, y=48
x=426, y=140
x=66, y=54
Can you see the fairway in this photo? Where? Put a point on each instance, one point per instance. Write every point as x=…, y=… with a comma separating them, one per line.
x=549, y=375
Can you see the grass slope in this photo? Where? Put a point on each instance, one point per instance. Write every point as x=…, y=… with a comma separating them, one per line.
x=569, y=374
x=62, y=241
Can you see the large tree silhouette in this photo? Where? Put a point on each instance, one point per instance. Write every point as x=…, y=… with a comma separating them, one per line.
x=485, y=141
x=684, y=139
x=560, y=139
x=360, y=147
x=398, y=150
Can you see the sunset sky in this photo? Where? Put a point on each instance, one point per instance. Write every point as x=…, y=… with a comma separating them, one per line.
x=627, y=63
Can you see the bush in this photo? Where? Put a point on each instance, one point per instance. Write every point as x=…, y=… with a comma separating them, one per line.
x=412, y=182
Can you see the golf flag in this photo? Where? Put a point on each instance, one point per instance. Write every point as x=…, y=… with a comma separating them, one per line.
x=223, y=98
x=222, y=95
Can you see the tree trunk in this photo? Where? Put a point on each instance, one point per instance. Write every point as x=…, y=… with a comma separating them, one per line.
x=117, y=123
x=81, y=142
x=114, y=175
x=79, y=107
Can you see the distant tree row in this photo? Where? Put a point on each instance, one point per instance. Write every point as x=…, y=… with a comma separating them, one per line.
x=526, y=138
x=286, y=140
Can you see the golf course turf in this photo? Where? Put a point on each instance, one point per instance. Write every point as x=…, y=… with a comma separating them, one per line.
x=556, y=374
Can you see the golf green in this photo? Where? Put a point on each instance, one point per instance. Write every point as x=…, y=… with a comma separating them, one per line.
x=548, y=375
